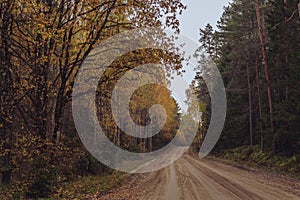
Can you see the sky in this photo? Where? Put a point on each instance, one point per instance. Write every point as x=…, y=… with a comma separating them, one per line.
x=197, y=15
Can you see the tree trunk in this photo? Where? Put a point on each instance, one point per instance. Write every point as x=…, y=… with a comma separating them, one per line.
x=58, y=112
x=259, y=105
x=6, y=93
x=267, y=75
x=299, y=8
x=5, y=180
x=250, y=105
x=286, y=53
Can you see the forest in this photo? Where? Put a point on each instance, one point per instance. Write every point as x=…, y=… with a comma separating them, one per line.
x=43, y=44
x=257, y=50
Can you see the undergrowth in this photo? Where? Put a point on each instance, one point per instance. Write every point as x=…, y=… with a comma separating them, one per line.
x=80, y=188
x=254, y=157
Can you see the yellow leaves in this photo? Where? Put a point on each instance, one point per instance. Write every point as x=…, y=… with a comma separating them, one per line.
x=84, y=187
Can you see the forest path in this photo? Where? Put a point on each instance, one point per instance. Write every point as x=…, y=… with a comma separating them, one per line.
x=194, y=179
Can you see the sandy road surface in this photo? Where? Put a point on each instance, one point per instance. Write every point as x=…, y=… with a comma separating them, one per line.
x=190, y=178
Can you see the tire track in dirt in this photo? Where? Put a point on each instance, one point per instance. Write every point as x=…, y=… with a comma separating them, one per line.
x=225, y=188
x=190, y=178
x=223, y=183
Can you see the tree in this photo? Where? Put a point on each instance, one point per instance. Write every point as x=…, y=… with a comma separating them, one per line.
x=7, y=110
x=267, y=74
x=43, y=44
x=282, y=24
x=251, y=37
x=208, y=41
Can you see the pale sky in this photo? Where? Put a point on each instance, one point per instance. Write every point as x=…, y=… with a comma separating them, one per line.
x=198, y=14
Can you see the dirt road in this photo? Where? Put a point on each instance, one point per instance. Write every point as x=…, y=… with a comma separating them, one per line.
x=190, y=178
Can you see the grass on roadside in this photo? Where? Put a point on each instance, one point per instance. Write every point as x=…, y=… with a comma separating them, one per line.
x=252, y=156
